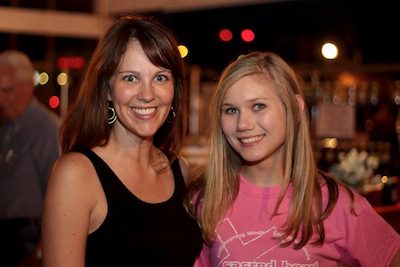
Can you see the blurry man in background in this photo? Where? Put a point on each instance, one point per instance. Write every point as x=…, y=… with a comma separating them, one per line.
x=28, y=147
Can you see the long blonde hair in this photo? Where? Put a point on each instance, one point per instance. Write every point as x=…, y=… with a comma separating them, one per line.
x=216, y=192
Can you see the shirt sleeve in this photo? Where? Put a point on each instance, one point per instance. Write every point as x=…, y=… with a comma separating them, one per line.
x=371, y=241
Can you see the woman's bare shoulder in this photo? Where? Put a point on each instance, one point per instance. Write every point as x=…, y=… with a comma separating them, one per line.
x=72, y=167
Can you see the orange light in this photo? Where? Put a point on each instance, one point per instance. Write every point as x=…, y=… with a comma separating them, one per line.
x=183, y=50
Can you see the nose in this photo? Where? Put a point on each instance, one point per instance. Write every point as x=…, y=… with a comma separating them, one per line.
x=245, y=122
x=147, y=93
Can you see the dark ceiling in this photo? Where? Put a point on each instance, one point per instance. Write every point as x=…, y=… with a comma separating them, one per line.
x=365, y=30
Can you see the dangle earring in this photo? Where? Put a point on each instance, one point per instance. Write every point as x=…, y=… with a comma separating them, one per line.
x=171, y=115
x=112, y=116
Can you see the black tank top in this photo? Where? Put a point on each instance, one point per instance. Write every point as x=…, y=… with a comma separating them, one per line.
x=136, y=233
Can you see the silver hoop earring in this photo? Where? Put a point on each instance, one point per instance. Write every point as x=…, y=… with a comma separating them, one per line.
x=112, y=116
x=171, y=115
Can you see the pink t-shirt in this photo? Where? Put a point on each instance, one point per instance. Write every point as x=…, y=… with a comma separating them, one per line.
x=245, y=238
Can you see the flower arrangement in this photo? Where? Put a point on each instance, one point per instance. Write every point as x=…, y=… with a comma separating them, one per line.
x=355, y=168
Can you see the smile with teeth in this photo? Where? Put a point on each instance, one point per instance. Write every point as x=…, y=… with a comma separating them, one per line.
x=144, y=111
x=252, y=139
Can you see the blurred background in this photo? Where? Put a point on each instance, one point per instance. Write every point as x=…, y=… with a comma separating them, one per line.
x=352, y=89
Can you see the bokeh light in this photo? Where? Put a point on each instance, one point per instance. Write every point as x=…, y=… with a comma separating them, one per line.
x=247, y=35
x=54, y=101
x=329, y=51
x=62, y=78
x=183, y=50
x=71, y=62
x=43, y=78
x=225, y=35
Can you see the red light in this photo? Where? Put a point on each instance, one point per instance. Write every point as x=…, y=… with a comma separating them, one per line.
x=247, y=35
x=70, y=62
x=225, y=35
x=54, y=101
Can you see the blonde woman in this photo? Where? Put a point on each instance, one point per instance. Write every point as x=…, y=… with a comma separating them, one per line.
x=263, y=201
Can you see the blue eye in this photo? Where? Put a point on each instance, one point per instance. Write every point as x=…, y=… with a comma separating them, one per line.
x=231, y=111
x=259, y=106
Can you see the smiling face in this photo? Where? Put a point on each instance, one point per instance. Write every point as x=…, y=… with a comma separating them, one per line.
x=253, y=120
x=142, y=93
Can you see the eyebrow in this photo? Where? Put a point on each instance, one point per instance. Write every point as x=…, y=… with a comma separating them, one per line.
x=226, y=104
x=161, y=70
x=126, y=71
x=250, y=100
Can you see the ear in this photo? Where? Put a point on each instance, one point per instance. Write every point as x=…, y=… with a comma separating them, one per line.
x=300, y=104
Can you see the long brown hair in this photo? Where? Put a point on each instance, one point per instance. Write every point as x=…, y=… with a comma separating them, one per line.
x=214, y=194
x=86, y=120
